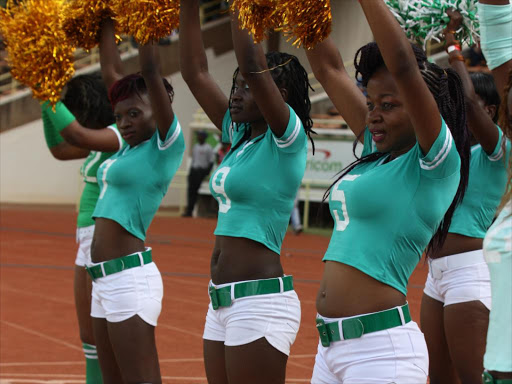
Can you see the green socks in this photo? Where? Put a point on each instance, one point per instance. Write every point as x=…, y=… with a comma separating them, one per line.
x=92, y=365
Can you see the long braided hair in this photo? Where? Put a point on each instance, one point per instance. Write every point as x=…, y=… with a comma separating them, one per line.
x=288, y=73
x=446, y=87
x=87, y=99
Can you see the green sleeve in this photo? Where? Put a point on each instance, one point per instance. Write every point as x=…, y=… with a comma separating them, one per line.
x=61, y=117
x=51, y=135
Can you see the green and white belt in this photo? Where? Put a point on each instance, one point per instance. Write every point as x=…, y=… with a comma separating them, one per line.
x=224, y=296
x=120, y=264
x=355, y=327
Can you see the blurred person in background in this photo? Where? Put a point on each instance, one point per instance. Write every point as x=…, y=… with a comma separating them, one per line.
x=202, y=162
x=457, y=295
x=496, y=42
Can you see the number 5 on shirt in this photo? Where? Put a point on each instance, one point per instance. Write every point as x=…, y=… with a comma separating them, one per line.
x=339, y=195
x=218, y=186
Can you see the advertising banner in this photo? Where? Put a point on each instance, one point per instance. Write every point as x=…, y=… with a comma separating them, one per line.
x=332, y=154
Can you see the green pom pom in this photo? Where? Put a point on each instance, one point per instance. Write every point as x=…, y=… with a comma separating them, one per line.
x=424, y=20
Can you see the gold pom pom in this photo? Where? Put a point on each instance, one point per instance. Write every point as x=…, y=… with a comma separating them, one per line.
x=146, y=20
x=309, y=21
x=81, y=20
x=265, y=3
x=259, y=17
x=39, y=53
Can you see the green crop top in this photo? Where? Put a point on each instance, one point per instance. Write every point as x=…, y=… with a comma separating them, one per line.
x=256, y=183
x=385, y=213
x=487, y=180
x=134, y=181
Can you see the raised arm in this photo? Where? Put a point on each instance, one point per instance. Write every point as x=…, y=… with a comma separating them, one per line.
x=401, y=63
x=65, y=123
x=496, y=36
x=59, y=148
x=160, y=100
x=329, y=70
x=479, y=122
x=253, y=68
x=102, y=139
x=194, y=65
x=65, y=151
x=110, y=59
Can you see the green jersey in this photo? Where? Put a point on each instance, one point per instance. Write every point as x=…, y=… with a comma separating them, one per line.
x=487, y=180
x=91, y=189
x=386, y=213
x=134, y=181
x=257, y=181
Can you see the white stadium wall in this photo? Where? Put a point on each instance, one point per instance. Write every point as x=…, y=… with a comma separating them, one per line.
x=29, y=173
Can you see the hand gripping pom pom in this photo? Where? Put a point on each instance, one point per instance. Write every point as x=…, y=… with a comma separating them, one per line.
x=423, y=20
x=307, y=21
x=259, y=17
x=39, y=53
x=146, y=20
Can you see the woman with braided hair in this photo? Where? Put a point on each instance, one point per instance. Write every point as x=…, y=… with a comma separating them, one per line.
x=496, y=40
x=457, y=296
x=390, y=205
x=254, y=313
x=87, y=99
x=498, y=255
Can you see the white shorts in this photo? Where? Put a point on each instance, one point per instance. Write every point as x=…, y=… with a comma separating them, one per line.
x=84, y=239
x=459, y=278
x=276, y=317
x=135, y=291
x=397, y=355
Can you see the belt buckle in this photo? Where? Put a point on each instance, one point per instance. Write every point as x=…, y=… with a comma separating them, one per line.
x=322, y=330
x=213, y=297
x=352, y=328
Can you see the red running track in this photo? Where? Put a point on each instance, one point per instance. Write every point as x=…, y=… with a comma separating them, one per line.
x=39, y=340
